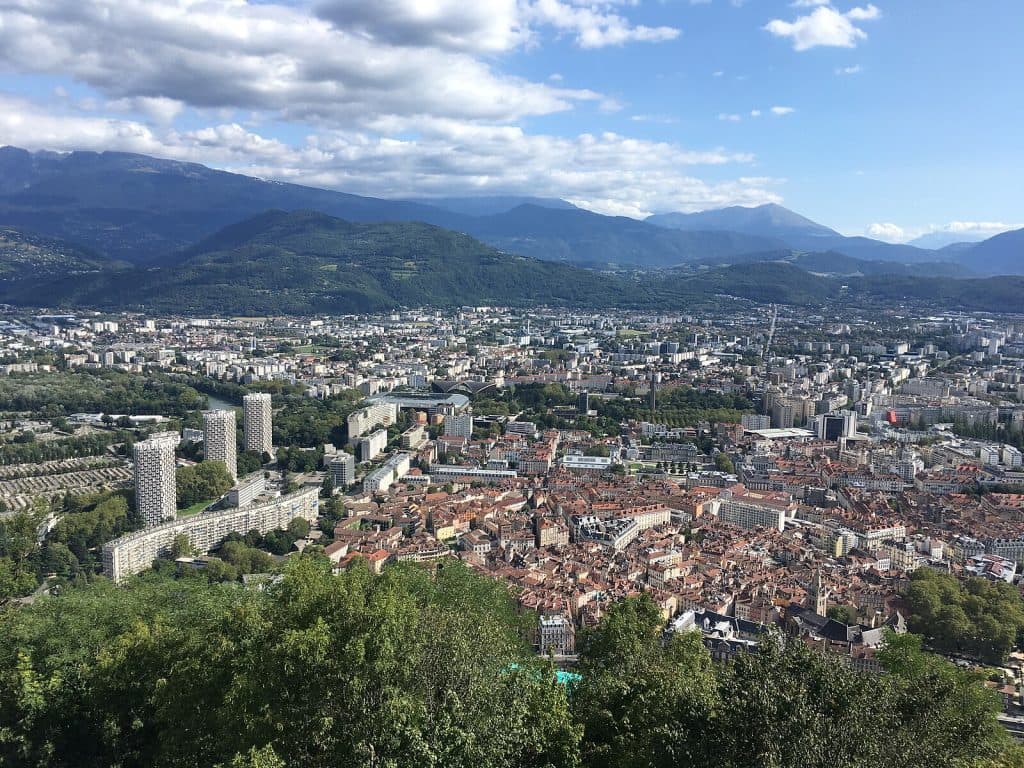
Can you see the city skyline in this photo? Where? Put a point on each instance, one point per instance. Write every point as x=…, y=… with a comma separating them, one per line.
x=868, y=117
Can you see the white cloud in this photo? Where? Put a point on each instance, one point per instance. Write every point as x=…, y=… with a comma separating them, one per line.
x=493, y=26
x=887, y=231
x=978, y=228
x=853, y=70
x=780, y=111
x=969, y=231
x=607, y=172
x=755, y=113
x=661, y=119
x=867, y=13
x=233, y=54
x=824, y=26
x=809, y=3
x=592, y=24
x=717, y=73
x=729, y=118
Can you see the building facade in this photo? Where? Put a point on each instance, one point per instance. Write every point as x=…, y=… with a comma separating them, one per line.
x=257, y=423
x=135, y=552
x=219, y=440
x=155, y=489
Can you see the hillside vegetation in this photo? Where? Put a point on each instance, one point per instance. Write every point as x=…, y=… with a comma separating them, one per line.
x=414, y=668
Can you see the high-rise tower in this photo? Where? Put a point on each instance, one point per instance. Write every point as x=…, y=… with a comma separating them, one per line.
x=219, y=441
x=155, y=491
x=257, y=423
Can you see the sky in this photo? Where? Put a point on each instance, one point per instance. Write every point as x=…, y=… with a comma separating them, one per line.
x=893, y=119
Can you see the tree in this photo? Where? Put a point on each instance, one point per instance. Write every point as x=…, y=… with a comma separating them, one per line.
x=298, y=528
x=206, y=480
x=974, y=617
x=642, y=702
x=327, y=488
x=723, y=463
x=846, y=614
x=181, y=546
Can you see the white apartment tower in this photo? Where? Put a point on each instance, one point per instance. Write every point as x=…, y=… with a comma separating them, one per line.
x=256, y=421
x=460, y=425
x=155, y=490
x=219, y=439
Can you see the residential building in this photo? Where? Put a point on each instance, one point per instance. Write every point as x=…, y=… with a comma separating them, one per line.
x=155, y=489
x=373, y=445
x=135, y=552
x=257, y=423
x=342, y=469
x=220, y=440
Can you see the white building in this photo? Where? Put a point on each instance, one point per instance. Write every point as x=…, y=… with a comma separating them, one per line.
x=247, y=490
x=135, y=552
x=755, y=421
x=373, y=445
x=460, y=425
x=155, y=489
x=379, y=414
x=219, y=439
x=751, y=510
x=343, y=470
x=381, y=478
x=257, y=422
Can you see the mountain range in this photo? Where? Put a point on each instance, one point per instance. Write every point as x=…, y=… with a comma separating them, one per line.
x=304, y=262
x=116, y=229
x=142, y=209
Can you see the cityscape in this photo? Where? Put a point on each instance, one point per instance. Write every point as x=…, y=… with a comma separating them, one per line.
x=511, y=384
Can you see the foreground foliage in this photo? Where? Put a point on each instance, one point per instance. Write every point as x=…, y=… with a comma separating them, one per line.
x=413, y=668
x=975, y=617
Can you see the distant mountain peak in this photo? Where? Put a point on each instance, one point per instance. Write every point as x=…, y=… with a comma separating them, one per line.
x=769, y=219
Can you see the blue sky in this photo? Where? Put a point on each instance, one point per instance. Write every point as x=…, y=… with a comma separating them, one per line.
x=891, y=118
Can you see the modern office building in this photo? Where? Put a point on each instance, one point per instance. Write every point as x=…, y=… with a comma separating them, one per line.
x=219, y=440
x=257, y=422
x=155, y=490
x=343, y=469
x=135, y=552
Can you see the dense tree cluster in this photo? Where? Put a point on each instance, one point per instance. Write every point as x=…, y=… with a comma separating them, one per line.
x=976, y=617
x=646, y=702
x=357, y=670
x=56, y=393
x=36, y=451
x=417, y=668
x=677, y=407
x=71, y=550
x=205, y=481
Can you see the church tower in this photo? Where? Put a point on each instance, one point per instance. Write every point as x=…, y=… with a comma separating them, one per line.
x=819, y=594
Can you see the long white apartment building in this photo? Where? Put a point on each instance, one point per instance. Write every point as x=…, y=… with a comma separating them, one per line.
x=135, y=552
x=379, y=414
x=373, y=445
x=391, y=470
x=751, y=509
x=257, y=422
x=219, y=440
x=155, y=489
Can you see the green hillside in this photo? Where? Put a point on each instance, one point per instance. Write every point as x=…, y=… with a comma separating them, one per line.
x=26, y=254
x=308, y=262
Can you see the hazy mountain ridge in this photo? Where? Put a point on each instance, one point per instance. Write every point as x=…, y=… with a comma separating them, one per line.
x=307, y=262
x=148, y=211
